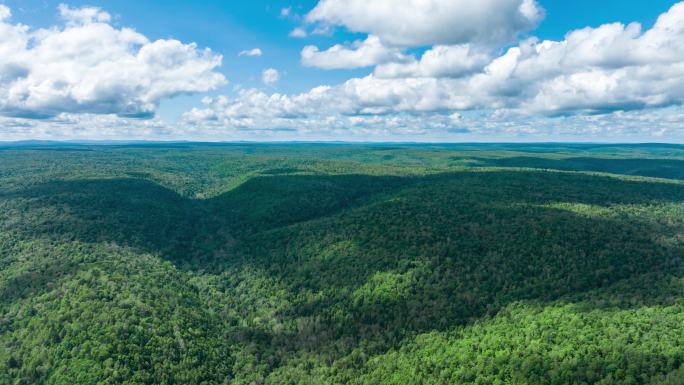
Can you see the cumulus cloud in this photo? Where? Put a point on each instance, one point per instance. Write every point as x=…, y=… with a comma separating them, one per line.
x=440, y=61
x=68, y=126
x=270, y=76
x=614, y=67
x=358, y=96
x=656, y=125
x=89, y=66
x=298, y=33
x=314, y=113
x=259, y=115
x=359, y=54
x=614, y=81
x=251, y=52
x=463, y=34
x=5, y=12
x=428, y=22
x=85, y=15
x=594, y=70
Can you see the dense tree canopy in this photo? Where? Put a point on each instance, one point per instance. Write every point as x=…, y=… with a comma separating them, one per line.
x=341, y=264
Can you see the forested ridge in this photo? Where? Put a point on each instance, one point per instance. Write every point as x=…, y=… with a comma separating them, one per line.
x=341, y=264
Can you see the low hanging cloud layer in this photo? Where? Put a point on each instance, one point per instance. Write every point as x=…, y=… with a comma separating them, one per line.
x=659, y=124
x=613, y=67
x=89, y=66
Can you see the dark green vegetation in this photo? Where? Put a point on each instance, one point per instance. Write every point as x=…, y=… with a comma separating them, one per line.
x=342, y=264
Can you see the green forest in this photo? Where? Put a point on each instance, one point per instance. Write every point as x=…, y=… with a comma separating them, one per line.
x=401, y=264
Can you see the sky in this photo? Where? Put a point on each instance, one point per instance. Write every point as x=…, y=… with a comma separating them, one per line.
x=343, y=70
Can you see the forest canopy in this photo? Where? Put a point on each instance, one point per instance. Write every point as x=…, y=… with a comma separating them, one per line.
x=341, y=264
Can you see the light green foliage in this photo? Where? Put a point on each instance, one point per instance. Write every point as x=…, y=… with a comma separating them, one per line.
x=342, y=264
x=384, y=287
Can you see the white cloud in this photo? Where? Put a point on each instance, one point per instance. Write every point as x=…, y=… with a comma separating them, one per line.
x=89, y=66
x=440, y=61
x=66, y=126
x=614, y=67
x=612, y=82
x=463, y=34
x=608, y=68
x=315, y=116
x=270, y=76
x=81, y=16
x=298, y=33
x=251, y=52
x=285, y=12
x=365, y=53
x=5, y=12
x=323, y=30
x=427, y=22
x=634, y=126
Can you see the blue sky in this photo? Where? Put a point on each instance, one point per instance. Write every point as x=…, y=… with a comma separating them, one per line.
x=229, y=27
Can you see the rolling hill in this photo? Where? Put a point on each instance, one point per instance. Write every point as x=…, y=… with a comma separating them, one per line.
x=341, y=264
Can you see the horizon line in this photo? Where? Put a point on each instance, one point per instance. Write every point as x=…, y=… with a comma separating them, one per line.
x=105, y=142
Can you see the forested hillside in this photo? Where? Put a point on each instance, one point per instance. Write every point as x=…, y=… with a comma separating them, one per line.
x=341, y=264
